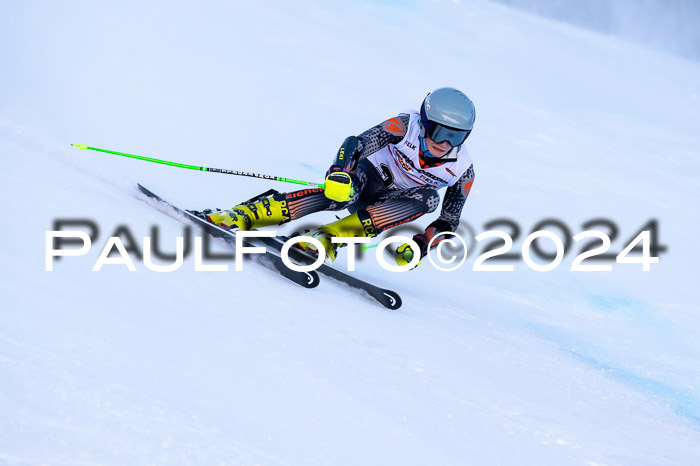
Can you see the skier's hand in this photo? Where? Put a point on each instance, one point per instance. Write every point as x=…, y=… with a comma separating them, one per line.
x=404, y=254
x=338, y=186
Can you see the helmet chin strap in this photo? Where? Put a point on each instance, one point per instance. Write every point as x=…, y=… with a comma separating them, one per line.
x=424, y=148
x=426, y=158
x=429, y=159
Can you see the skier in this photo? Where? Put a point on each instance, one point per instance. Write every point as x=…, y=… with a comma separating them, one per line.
x=386, y=176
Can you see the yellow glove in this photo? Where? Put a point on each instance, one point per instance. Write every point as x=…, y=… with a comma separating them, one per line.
x=338, y=186
x=404, y=253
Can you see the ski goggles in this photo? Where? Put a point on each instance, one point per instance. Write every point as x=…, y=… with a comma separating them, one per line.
x=441, y=133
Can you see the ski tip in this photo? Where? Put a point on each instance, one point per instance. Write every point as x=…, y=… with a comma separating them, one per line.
x=391, y=300
x=80, y=146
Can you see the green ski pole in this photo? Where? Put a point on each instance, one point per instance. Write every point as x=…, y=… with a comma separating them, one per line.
x=204, y=169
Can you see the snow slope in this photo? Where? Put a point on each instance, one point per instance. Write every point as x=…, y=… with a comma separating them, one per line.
x=119, y=367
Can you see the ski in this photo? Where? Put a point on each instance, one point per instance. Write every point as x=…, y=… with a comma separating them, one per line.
x=387, y=298
x=271, y=261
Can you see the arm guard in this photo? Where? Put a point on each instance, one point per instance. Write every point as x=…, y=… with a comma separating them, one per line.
x=347, y=155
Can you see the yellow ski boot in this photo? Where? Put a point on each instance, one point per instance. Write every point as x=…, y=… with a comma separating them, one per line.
x=348, y=227
x=258, y=212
